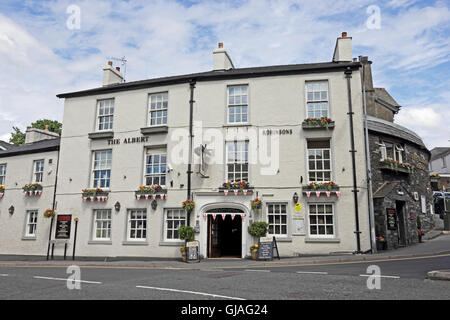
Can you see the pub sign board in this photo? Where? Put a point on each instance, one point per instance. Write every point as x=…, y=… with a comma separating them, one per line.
x=63, y=222
x=193, y=251
x=265, y=249
x=391, y=219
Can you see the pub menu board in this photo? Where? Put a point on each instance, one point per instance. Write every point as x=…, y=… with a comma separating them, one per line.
x=265, y=249
x=63, y=226
x=391, y=219
x=193, y=251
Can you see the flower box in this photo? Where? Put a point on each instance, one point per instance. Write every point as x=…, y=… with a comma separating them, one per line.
x=393, y=165
x=2, y=191
x=321, y=188
x=34, y=189
x=151, y=193
x=92, y=195
x=236, y=187
x=318, y=123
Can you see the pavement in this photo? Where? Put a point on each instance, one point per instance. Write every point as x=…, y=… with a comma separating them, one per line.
x=437, y=244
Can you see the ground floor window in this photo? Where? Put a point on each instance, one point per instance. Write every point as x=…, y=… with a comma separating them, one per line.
x=31, y=223
x=175, y=218
x=137, y=225
x=277, y=218
x=102, y=225
x=321, y=220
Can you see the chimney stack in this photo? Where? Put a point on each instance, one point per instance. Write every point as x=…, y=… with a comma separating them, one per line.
x=222, y=60
x=111, y=75
x=343, y=49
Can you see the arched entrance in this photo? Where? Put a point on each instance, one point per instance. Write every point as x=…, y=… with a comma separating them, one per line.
x=224, y=232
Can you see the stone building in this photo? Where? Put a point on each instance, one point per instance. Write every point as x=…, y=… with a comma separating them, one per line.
x=27, y=189
x=399, y=170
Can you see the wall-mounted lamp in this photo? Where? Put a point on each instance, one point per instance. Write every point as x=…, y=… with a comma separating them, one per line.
x=154, y=204
x=11, y=210
x=295, y=197
x=117, y=206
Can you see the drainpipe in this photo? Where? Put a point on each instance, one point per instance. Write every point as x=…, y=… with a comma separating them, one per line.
x=54, y=201
x=348, y=76
x=191, y=138
x=373, y=244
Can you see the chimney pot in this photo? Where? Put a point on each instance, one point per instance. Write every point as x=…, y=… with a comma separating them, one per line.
x=118, y=69
x=110, y=63
x=220, y=45
x=344, y=34
x=46, y=127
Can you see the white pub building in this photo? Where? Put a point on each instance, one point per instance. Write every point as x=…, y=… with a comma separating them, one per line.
x=132, y=152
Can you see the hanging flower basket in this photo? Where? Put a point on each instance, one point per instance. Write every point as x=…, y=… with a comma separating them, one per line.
x=2, y=191
x=49, y=213
x=188, y=205
x=256, y=204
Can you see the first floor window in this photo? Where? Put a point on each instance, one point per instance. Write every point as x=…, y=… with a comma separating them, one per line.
x=155, y=169
x=392, y=151
x=175, y=218
x=237, y=104
x=105, y=114
x=2, y=174
x=321, y=220
x=137, y=225
x=277, y=217
x=102, y=224
x=319, y=161
x=158, y=105
x=38, y=171
x=102, y=169
x=317, y=99
x=31, y=223
x=237, y=161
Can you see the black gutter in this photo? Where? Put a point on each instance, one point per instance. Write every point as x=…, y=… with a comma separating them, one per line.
x=217, y=76
x=348, y=76
x=192, y=83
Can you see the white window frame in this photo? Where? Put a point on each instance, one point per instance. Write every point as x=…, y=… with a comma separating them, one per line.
x=104, y=167
x=237, y=102
x=180, y=219
x=323, y=170
x=398, y=152
x=102, y=224
x=317, y=112
x=280, y=224
x=3, y=174
x=324, y=224
x=162, y=166
x=137, y=227
x=31, y=221
x=158, y=108
x=241, y=157
x=38, y=171
x=101, y=114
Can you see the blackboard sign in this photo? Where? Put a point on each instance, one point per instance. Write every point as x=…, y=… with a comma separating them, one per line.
x=391, y=219
x=193, y=251
x=63, y=226
x=265, y=249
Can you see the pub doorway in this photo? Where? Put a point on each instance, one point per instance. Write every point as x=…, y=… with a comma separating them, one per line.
x=400, y=205
x=224, y=233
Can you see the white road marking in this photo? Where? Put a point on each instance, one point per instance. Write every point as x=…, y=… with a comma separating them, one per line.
x=374, y=275
x=257, y=270
x=312, y=272
x=62, y=279
x=191, y=292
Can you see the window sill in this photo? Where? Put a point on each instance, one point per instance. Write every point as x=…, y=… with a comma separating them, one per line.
x=322, y=240
x=101, y=135
x=28, y=238
x=171, y=243
x=283, y=239
x=233, y=125
x=155, y=129
x=107, y=242
x=135, y=243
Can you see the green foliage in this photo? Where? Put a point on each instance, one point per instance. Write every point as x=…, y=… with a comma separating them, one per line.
x=18, y=137
x=419, y=223
x=258, y=229
x=186, y=233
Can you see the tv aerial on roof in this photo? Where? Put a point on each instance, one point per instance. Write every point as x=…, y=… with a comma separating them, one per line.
x=124, y=61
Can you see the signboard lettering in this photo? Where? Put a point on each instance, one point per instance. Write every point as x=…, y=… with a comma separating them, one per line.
x=193, y=251
x=63, y=223
x=391, y=219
